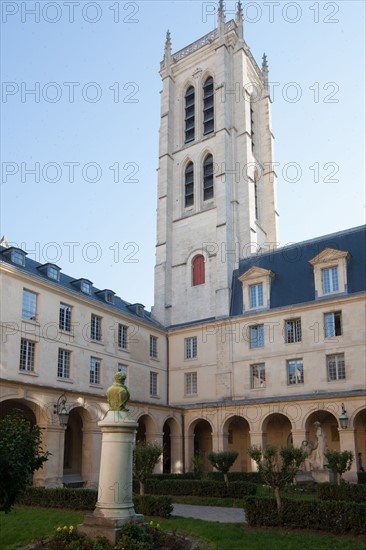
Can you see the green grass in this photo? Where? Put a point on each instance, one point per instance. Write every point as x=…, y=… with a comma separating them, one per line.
x=26, y=525
x=232, y=536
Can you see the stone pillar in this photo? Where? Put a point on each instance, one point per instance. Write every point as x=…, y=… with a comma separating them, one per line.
x=158, y=439
x=176, y=458
x=347, y=442
x=298, y=436
x=54, y=467
x=256, y=438
x=114, y=506
x=92, y=443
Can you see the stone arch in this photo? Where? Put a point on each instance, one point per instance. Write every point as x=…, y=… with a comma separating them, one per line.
x=73, y=449
x=172, y=446
x=328, y=422
x=146, y=431
x=236, y=434
x=200, y=442
x=277, y=430
x=28, y=409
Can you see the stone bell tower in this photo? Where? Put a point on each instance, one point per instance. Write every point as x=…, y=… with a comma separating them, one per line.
x=216, y=182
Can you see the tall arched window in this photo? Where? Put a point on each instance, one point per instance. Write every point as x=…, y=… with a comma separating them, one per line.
x=252, y=121
x=189, y=115
x=208, y=106
x=188, y=185
x=198, y=270
x=208, y=183
x=256, y=198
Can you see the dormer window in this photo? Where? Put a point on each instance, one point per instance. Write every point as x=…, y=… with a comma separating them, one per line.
x=85, y=287
x=18, y=256
x=51, y=271
x=256, y=288
x=107, y=295
x=138, y=309
x=330, y=272
x=330, y=280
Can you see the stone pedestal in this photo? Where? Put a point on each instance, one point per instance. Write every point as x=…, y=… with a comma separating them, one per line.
x=322, y=476
x=115, y=506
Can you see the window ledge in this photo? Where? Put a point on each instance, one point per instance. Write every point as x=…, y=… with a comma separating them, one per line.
x=67, y=380
x=96, y=386
x=155, y=396
x=28, y=373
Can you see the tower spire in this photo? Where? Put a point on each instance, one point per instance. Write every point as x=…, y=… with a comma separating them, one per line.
x=221, y=18
x=239, y=20
x=265, y=72
x=168, y=50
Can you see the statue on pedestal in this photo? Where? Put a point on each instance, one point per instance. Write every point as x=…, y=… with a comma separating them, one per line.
x=118, y=394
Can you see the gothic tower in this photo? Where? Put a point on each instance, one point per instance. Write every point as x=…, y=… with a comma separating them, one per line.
x=216, y=182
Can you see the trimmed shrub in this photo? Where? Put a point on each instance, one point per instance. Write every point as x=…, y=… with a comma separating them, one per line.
x=201, y=488
x=345, y=491
x=337, y=516
x=75, y=499
x=153, y=505
x=249, y=477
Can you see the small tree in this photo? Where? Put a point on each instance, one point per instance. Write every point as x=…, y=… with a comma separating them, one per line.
x=20, y=455
x=223, y=462
x=277, y=468
x=339, y=462
x=197, y=462
x=145, y=457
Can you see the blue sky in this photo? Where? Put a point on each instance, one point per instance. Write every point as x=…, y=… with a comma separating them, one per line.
x=90, y=130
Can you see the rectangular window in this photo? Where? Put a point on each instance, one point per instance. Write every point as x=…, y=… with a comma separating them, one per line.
x=18, y=257
x=63, y=366
x=85, y=287
x=295, y=371
x=53, y=273
x=65, y=318
x=153, y=347
x=336, y=367
x=190, y=347
x=256, y=295
x=122, y=336
x=333, y=324
x=96, y=328
x=293, y=331
x=257, y=336
x=153, y=384
x=330, y=280
x=94, y=376
x=27, y=355
x=29, y=306
x=258, y=376
x=191, y=383
x=122, y=368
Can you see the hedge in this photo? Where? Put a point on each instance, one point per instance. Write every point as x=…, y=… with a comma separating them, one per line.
x=336, y=516
x=250, y=477
x=361, y=476
x=202, y=488
x=85, y=499
x=75, y=499
x=345, y=491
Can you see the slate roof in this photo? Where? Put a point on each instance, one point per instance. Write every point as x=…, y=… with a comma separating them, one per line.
x=293, y=281
x=66, y=283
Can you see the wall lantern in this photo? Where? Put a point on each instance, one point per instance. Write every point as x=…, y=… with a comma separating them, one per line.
x=61, y=410
x=343, y=419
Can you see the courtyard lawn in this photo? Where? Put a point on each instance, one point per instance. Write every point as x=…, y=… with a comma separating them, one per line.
x=26, y=525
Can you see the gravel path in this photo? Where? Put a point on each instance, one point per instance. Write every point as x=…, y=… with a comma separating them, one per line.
x=210, y=513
